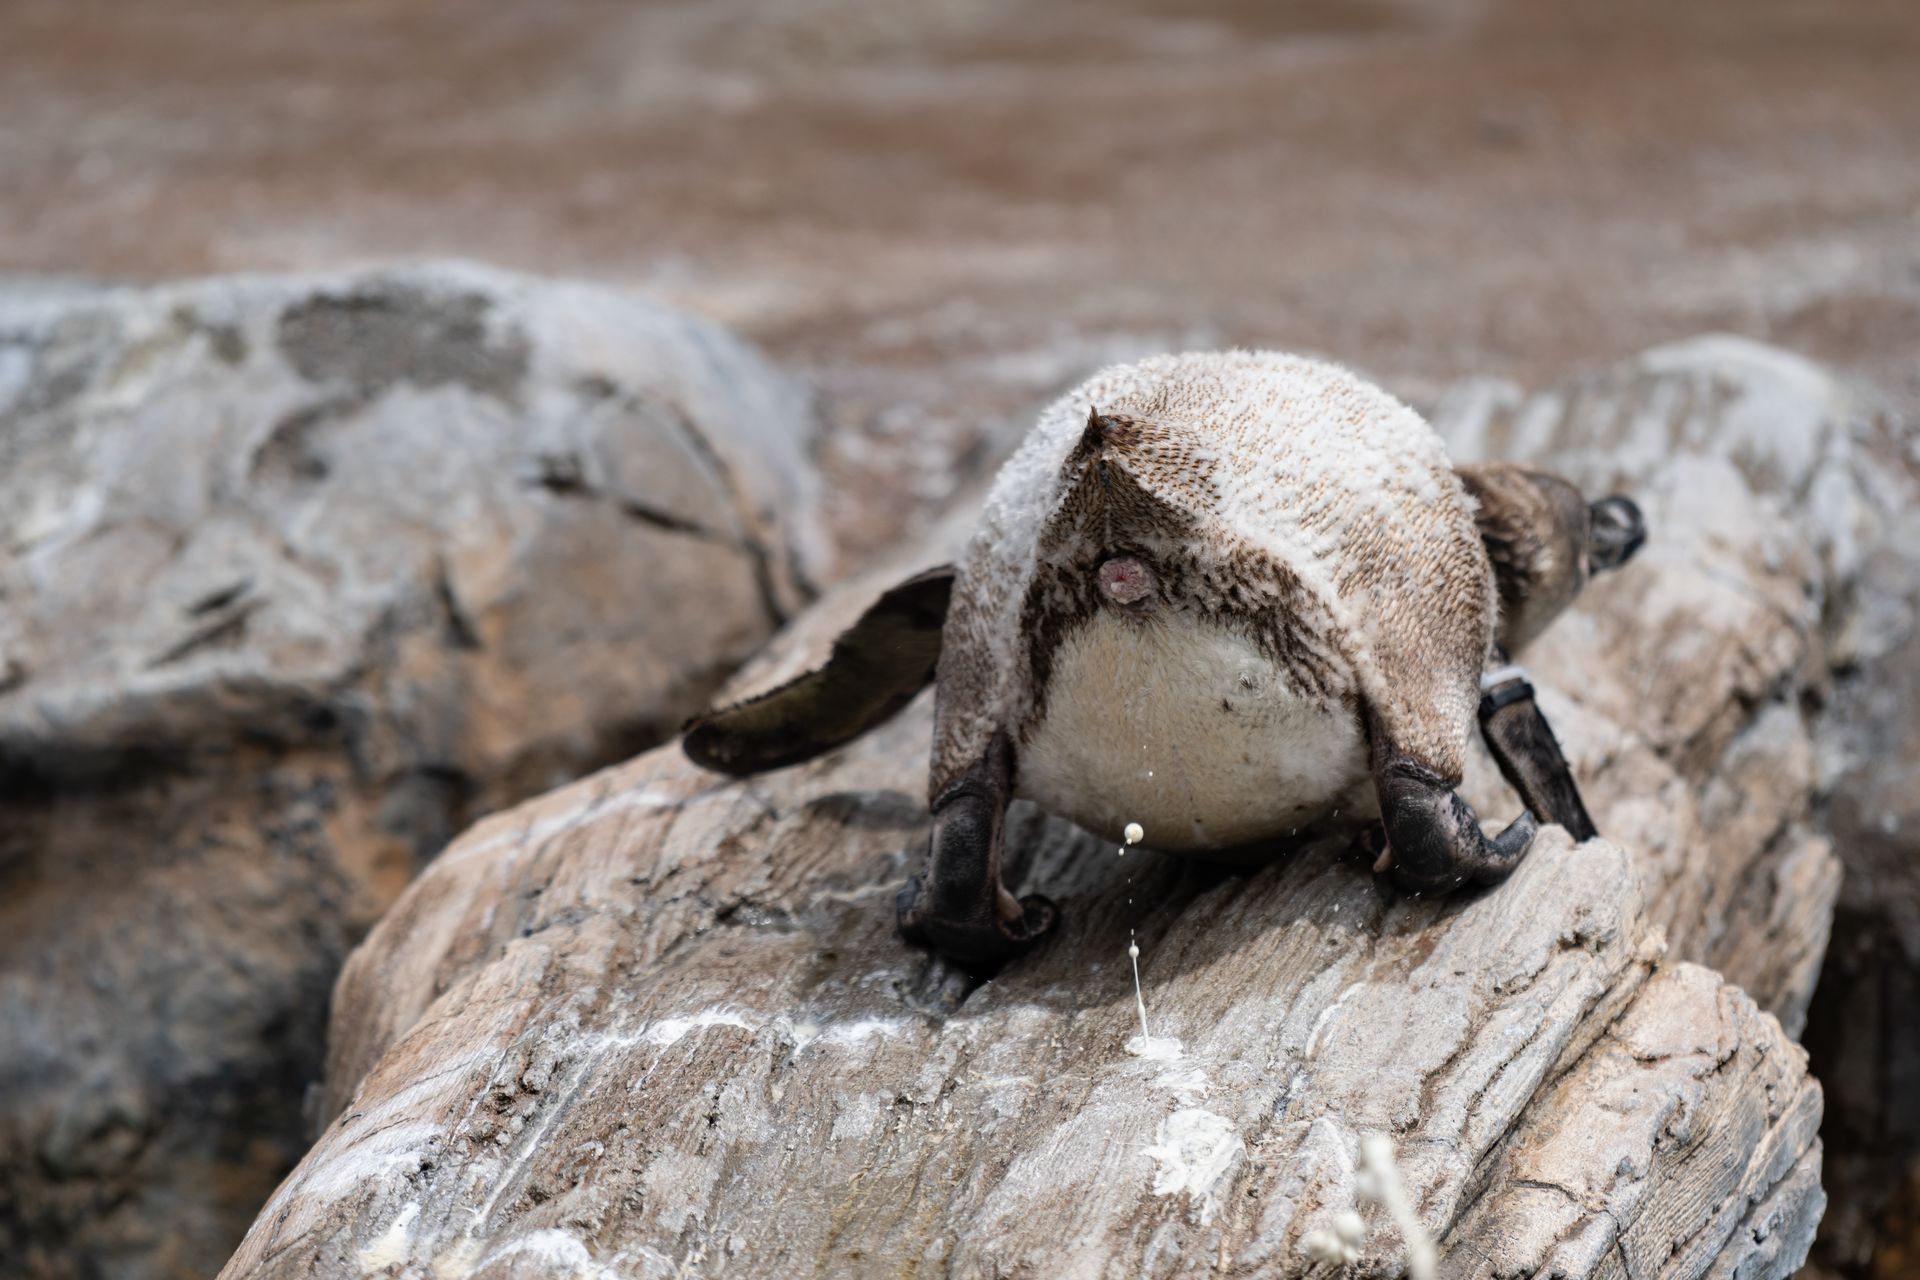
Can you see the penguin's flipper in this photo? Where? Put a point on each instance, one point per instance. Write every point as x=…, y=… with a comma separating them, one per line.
x=876, y=667
x=1528, y=754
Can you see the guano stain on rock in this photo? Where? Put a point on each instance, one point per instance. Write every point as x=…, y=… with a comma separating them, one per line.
x=383, y=334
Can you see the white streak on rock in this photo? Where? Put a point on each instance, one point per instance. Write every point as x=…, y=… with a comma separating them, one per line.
x=865, y=1029
x=1327, y=1015
x=1156, y=1048
x=390, y=1248
x=395, y=1151
x=670, y=1031
x=565, y=1253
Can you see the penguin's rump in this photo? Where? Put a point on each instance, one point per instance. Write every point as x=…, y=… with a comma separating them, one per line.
x=1188, y=727
x=1269, y=493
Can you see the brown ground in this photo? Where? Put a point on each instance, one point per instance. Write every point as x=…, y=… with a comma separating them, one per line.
x=947, y=208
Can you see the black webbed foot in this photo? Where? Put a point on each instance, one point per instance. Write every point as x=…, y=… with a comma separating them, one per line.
x=972, y=943
x=958, y=905
x=1434, y=839
x=1370, y=842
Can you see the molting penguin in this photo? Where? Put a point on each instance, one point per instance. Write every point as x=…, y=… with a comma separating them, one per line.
x=1220, y=595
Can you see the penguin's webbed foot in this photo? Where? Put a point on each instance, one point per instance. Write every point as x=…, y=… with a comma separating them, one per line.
x=1370, y=842
x=973, y=944
x=1435, y=838
x=958, y=905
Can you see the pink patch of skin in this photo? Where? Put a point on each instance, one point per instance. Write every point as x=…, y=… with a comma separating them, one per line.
x=1126, y=581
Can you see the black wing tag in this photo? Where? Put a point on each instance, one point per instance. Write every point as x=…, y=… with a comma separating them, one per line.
x=876, y=667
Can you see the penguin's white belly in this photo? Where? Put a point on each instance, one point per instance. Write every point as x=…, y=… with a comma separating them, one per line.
x=1188, y=730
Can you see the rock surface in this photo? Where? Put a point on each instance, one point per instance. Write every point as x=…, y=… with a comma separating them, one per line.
x=657, y=1023
x=298, y=575
x=1863, y=1035
x=1746, y=459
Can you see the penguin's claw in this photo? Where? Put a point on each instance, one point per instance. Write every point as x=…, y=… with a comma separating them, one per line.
x=974, y=944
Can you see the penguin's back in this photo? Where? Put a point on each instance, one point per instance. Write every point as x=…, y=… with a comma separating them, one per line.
x=1283, y=464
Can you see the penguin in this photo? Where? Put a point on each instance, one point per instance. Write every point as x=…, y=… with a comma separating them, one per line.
x=1222, y=596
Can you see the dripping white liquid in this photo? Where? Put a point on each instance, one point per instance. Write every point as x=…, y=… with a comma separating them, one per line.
x=1139, y=998
x=1144, y=1045
x=1134, y=834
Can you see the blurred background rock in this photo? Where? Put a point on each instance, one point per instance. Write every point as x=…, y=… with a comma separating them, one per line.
x=935, y=215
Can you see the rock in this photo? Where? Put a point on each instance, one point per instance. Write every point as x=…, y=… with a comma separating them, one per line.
x=658, y=1022
x=299, y=575
x=1743, y=458
x=236, y=505
x=1863, y=1034
x=1846, y=464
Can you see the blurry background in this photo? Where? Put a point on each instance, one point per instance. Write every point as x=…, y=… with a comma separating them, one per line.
x=941, y=212
x=948, y=208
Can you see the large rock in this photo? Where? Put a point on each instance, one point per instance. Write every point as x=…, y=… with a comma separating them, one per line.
x=1864, y=1035
x=1744, y=457
x=658, y=1023
x=298, y=575
x=1850, y=474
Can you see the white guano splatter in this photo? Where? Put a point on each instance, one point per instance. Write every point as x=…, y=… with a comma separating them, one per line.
x=1195, y=1149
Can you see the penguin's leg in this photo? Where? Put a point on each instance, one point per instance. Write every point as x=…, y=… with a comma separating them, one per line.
x=1434, y=841
x=958, y=905
x=1528, y=754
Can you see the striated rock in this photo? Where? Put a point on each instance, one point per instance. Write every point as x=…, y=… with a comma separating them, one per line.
x=1863, y=1034
x=1846, y=466
x=1743, y=457
x=658, y=1023
x=297, y=576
